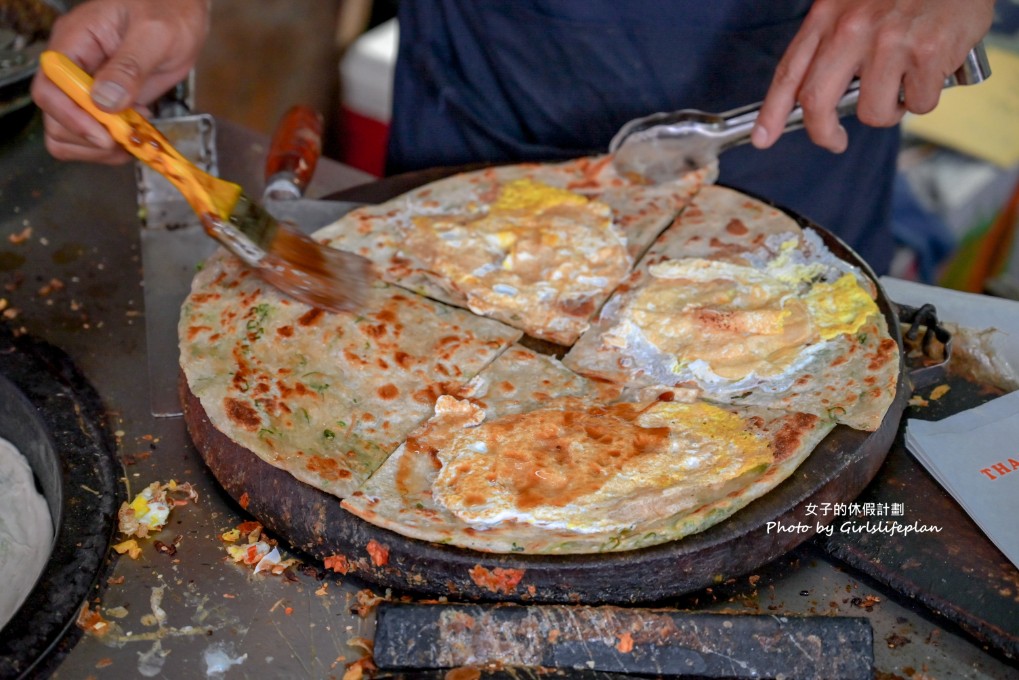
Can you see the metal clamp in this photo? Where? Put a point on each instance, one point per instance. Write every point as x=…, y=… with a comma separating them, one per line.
x=928, y=368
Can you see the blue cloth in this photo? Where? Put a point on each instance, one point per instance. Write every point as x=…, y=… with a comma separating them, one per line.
x=920, y=230
x=519, y=80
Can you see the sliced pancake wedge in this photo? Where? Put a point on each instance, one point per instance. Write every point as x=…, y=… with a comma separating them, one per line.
x=537, y=246
x=519, y=380
x=326, y=397
x=578, y=474
x=738, y=303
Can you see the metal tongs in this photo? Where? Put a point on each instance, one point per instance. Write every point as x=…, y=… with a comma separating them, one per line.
x=663, y=146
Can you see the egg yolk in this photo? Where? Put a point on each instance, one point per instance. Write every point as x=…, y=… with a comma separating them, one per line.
x=740, y=320
x=839, y=307
x=527, y=194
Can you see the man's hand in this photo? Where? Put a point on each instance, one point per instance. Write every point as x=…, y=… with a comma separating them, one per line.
x=135, y=49
x=893, y=46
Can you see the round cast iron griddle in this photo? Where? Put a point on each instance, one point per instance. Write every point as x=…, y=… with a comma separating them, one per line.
x=56, y=420
x=312, y=521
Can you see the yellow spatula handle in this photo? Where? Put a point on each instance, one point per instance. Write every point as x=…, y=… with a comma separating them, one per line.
x=129, y=128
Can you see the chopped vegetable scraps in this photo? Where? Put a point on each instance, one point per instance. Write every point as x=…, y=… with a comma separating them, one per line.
x=258, y=551
x=366, y=602
x=92, y=622
x=359, y=669
x=230, y=536
x=150, y=509
x=130, y=547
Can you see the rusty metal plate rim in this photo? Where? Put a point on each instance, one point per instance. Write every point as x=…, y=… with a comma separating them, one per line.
x=313, y=522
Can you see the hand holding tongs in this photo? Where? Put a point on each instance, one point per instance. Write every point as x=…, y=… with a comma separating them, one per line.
x=663, y=146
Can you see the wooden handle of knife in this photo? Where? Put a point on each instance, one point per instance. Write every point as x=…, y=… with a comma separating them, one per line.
x=296, y=146
x=141, y=139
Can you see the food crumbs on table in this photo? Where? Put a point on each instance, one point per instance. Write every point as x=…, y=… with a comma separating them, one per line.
x=940, y=391
x=115, y=580
x=150, y=509
x=167, y=549
x=366, y=602
x=229, y=596
x=21, y=236
x=134, y=458
x=625, y=645
x=754, y=580
x=130, y=547
x=259, y=552
x=244, y=500
x=54, y=286
x=104, y=662
x=288, y=611
x=917, y=400
x=895, y=640
x=866, y=603
x=323, y=591
x=92, y=622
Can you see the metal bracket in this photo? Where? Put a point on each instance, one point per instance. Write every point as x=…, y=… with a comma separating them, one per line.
x=927, y=367
x=173, y=244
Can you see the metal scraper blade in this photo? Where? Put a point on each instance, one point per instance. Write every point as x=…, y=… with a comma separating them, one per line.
x=646, y=642
x=309, y=214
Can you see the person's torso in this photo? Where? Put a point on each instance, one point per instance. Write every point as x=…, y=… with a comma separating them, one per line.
x=533, y=80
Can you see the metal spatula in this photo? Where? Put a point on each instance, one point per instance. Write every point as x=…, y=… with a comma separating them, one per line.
x=663, y=146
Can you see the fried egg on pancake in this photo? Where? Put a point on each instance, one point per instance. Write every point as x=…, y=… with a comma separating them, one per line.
x=590, y=468
x=735, y=327
x=783, y=325
x=527, y=244
x=704, y=480
x=536, y=246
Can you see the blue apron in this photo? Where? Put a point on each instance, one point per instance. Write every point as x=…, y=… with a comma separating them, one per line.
x=520, y=80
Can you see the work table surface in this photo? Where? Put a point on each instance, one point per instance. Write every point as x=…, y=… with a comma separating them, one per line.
x=221, y=619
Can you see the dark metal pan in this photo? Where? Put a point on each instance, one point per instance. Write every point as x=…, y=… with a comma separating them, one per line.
x=313, y=522
x=24, y=28
x=55, y=418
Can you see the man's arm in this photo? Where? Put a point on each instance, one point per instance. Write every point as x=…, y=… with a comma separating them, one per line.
x=135, y=49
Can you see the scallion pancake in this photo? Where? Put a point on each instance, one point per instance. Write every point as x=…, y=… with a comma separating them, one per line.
x=537, y=246
x=326, y=397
